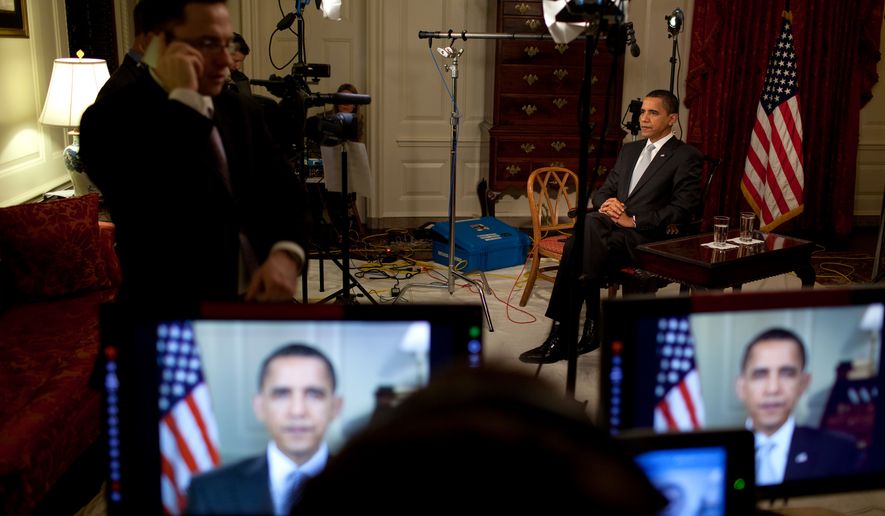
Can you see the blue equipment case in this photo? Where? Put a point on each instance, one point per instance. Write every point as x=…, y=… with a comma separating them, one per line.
x=485, y=243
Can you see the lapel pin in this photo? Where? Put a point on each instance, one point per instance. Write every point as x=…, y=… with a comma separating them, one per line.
x=801, y=457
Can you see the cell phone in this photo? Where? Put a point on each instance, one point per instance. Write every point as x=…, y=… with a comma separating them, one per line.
x=152, y=53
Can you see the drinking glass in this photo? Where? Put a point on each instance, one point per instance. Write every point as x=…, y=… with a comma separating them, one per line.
x=748, y=221
x=720, y=230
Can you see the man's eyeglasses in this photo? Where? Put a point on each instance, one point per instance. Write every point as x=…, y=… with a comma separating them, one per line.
x=210, y=46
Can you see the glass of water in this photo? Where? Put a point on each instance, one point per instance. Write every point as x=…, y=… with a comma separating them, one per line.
x=748, y=219
x=720, y=230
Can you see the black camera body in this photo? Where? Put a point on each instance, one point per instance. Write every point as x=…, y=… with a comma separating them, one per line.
x=332, y=128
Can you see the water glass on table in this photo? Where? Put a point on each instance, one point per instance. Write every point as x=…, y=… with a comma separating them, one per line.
x=720, y=230
x=748, y=221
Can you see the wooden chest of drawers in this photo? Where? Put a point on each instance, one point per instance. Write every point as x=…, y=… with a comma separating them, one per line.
x=537, y=87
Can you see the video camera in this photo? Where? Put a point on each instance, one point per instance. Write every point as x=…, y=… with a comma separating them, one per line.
x=331, y=129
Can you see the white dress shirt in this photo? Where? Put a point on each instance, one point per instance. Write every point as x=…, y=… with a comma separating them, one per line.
x=781, y=441
x=280, y=467
x=641, y=166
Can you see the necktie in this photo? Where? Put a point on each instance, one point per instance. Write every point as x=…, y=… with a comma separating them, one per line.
x=765, y=474
x=250, y=262
x=641, y=164
x=294, y=483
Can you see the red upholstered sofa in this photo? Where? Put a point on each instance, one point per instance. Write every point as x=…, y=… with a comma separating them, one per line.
x=57, y=265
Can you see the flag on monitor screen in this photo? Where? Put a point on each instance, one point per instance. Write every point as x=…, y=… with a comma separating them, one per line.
x=678, y=402
x=774, y=179
x=188, y=433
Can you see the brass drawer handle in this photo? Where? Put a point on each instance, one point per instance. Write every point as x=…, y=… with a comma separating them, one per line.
x=558, y=145
x=527, y=148
x=592, y=110
x=593, y=80
x=513, y=170
x=557, y=164
x=522, y=8
x=560, y=73
x=529, y=109
x=533, y=24
x=531, y=51
x=530, y=78
x=559, y=102
x=561, y=47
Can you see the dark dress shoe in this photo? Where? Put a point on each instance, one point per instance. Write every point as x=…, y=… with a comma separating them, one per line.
x=551, y=350
x=589, y=338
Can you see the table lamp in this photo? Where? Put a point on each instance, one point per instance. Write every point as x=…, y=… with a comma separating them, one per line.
x=72, y=88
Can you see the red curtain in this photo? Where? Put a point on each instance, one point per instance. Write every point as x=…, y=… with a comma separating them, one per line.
x=837, y=48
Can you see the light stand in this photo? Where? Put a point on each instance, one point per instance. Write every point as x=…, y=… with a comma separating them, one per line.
x=454, y=55
x=674, y=27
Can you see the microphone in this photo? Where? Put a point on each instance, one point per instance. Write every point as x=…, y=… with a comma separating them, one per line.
x=631, y=39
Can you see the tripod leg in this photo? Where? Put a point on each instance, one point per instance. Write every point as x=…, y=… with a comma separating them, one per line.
x=482, y=298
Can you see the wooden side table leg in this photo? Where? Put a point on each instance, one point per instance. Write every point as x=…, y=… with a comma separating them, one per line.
x=806, y=274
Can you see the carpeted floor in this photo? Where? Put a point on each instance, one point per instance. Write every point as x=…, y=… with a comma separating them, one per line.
x=841, y=263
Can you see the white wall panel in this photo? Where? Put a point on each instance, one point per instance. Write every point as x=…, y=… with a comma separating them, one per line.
x=30, y=154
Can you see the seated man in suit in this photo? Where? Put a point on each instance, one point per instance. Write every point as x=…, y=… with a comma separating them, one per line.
x=772, y=380
x=296, y=401
x=654, y=183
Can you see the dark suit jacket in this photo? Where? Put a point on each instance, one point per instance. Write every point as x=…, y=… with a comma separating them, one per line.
x=817, y=453
x=240, y=488
x=128, y=72
x=668, y=192
x=177, y=221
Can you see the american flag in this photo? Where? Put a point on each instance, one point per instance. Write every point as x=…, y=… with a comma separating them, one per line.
x=773, y=179
x=678, y=402
x=188, y=433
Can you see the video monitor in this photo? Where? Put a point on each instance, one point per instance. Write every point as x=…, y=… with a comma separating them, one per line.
x=801, y=369
x=705, y=472
x=186, y=393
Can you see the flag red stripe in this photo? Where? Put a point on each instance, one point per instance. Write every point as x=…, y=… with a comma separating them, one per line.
x=761, y=134
x=198, y=417
x=689, y=404
x=796, y=140
x=759, y=168
x=183, y=448
x=168, y=471
x=668, y=416
x=784, y=168
x=786, y=164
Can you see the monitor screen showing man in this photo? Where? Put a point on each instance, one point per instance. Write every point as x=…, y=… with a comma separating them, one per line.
x=296, y=401
x=771, y=381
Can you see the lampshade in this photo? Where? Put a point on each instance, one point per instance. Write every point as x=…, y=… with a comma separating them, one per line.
x=72, y=88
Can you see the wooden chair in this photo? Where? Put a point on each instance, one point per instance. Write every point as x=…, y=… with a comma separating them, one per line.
x=552, y=193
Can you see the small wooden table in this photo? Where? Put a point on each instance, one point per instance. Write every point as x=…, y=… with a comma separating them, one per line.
x=686, y=261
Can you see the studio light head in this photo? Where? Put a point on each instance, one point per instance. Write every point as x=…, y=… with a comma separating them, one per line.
x=449, y=52
x=675, y=21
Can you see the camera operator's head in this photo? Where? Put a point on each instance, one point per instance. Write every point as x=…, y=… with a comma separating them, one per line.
x=346, y=108
x=240, y=52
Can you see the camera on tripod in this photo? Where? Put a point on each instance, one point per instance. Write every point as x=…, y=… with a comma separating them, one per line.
x=330, y=129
